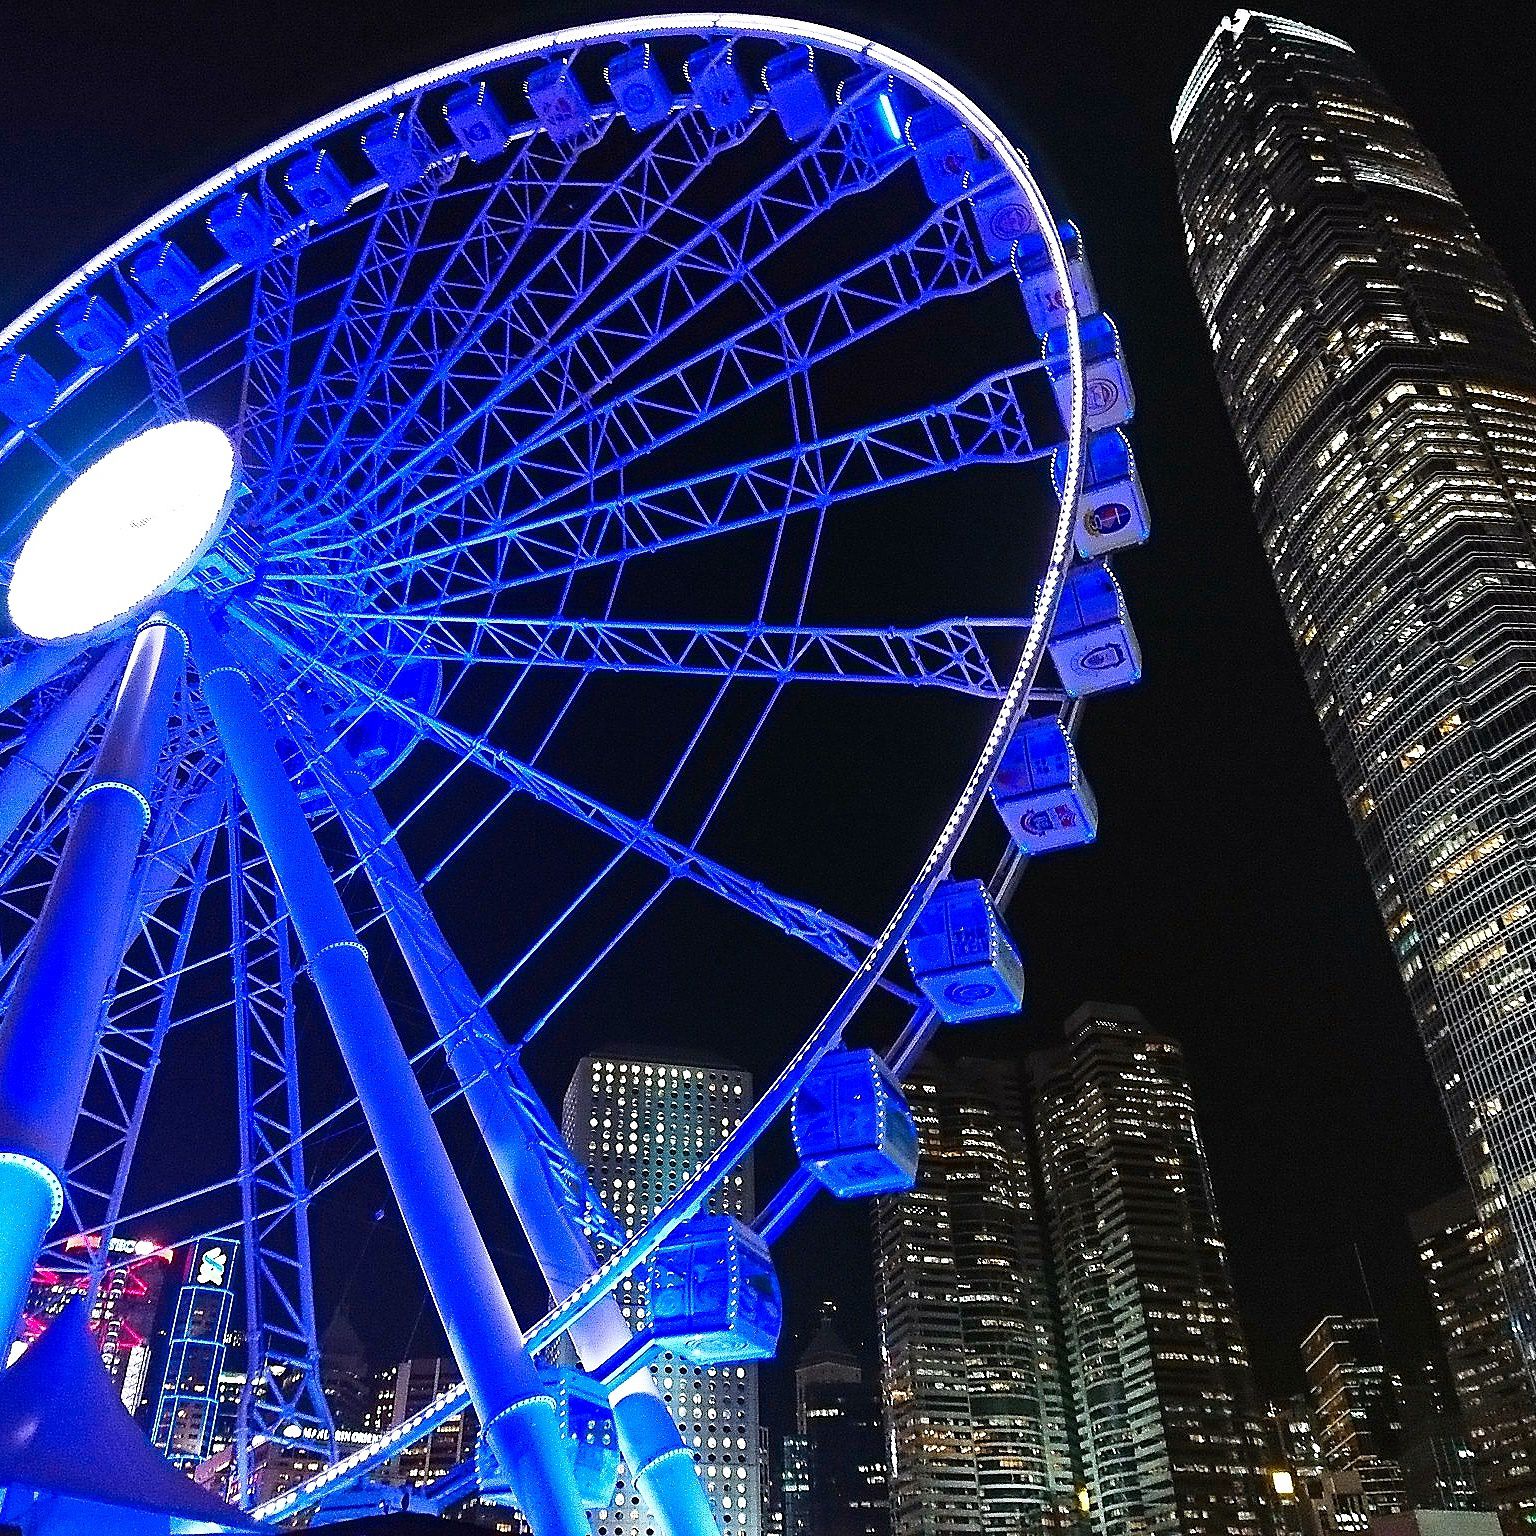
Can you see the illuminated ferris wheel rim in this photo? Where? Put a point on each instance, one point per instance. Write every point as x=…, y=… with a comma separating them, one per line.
x=730, y=24
x=877, y=958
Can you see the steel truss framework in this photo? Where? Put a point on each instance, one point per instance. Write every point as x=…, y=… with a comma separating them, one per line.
x=484, y=409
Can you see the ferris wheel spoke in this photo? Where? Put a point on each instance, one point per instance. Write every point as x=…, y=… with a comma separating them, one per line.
x=269, y=343
x=985, y=425
x=531, y=477
x=677, y=289
x=946, y=654
x=482, y=315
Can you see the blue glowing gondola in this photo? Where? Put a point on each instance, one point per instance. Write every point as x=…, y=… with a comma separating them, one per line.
x=1111, y=507
x=27, y=389
x=92, y=329
x=1108, y=398
x=639, y=86
x=242, y=226
x=586, y=1422
x=852, y=1128
x=718, y=89
x=795, y=93
x=398, y=149
x=559, y=102
x=1004, y=217
x=166, y=276
x=475, y=119
x=712, y=1295
x=1040, y=792
x=1044, y=300
x=946, y=153
x=876, y=105
x=319, y=186
x=962, y=957
x=1092, y=643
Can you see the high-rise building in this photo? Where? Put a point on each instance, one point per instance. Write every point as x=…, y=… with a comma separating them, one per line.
x=978, y=1426
x=838, y=1419
x=1380, y=375
x=187, y=1408
x=403, y=1389
x=1460, y=1259
x=123, y=1311
x=641, y=1125
x=1168, y=1419
x=1355, y=1408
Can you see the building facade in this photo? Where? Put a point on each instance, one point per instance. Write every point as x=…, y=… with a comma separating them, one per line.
x=1380, y=375
x=187, y=1408
x=975, y=1396
x=641, y=1125
x=838, y=1423
x=1168, y=1422
x=1460, y=1259
x=406, y=1388
x=1355, y=1408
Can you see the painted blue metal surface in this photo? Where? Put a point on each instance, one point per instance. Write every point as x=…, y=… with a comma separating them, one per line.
x=1093, y=646
x=27, y=389
x=852, y=1128
x=93, y=329
x=167, y=276
x=559, y=102
x=398, y=148
x=477, y=121
x=946, y=153
x=719, y=92
x=796, y=94
x=712, y=1294
x=586, y=1422
x=962, y=956
x=242, y=226
x=319, y=186
x=639, y=86
x=1039, y=789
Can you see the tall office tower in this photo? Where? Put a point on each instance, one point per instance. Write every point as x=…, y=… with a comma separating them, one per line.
x=403, y=1389
x=1459, y=1256
x=641, y=1125
x=187, y=1408
x=1168, y=1419
x=1380, y=374
x=979, y=1431
x=1355, y=1408
x=838, y=1418
x=123, y=1313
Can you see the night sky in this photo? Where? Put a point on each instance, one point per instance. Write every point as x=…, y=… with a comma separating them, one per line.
x=1226, y=897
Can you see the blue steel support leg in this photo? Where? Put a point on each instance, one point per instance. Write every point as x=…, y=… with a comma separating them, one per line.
x=519, y=1418
x=49, y=1036
x=662, y=1466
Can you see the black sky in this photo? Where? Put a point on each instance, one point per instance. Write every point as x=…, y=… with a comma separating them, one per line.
x=1226, y=898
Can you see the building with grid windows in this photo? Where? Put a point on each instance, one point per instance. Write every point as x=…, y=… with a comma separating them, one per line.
x=1380, y=375
x=978, y=1427
x=1459, y=1258
x=1355, y=1409
x=641, y=1125
x=1168, y=1423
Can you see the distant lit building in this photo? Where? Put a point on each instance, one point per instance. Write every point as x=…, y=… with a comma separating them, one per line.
x=123, y=1313
x=1380, y=374
x=975, y=1396
x=1460, y=1258
x=641, y=1124
x=1167, y=1415
x=187, y=1407
x=795, y=1485
x=404, y=1389
x=838, y=1422
x=344, y=1375
x=1355, y=1408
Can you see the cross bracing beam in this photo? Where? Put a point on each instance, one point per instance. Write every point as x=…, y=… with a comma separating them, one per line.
x=675, y=289
x=985, y=425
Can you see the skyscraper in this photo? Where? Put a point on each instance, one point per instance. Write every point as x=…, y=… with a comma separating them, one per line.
x=1380, y=374
x=838, y=1422
x=641, y=1125
x=187, y=1408
x=1168, y=1419
x=1459, y=1258
x=1355, y=1408
x=972, y=1378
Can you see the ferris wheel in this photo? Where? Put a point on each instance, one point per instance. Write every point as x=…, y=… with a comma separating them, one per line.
x=464, y=526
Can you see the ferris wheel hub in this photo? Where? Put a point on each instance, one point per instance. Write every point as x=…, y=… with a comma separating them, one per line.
x=125, y=532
